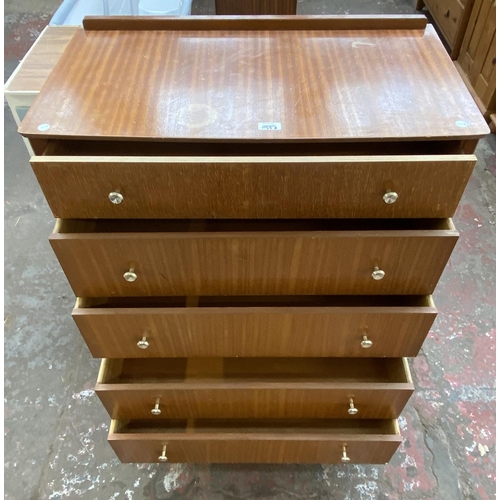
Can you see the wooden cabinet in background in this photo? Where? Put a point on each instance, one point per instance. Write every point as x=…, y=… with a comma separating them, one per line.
x=451, y=17
x=477, y=60
x=21, y=89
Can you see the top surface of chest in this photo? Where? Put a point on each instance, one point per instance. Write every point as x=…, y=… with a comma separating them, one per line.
x=266, y=79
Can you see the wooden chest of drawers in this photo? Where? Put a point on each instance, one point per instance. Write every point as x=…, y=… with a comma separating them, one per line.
x=254, y=225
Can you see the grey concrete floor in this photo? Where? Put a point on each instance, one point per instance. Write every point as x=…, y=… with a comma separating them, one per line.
x=55, y=427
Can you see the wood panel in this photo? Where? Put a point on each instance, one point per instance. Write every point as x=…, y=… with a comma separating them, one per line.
x=324, y=327
x=255, y=7
x=477, y=59
x=252, y=23
x=36, y=66
x=312, y=441
x=104, y=85
x=448, y=15
x=253, y=187
x=258, y=388
x=452, y=17
x=239, y=262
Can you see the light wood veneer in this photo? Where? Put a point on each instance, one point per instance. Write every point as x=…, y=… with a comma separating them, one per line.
x=255, y=326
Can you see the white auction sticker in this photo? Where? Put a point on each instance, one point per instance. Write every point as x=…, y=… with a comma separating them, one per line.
x=269, y=125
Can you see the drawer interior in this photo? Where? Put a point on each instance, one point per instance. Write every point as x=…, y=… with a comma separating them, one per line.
x=257, y=426
x=274, y=301
x=206, y=149
x=78, y=226
x=248, y=370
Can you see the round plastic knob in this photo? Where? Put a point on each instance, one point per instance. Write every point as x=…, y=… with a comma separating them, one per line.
x=163, y=456
x=115, y=197
x=378, y=274
x=366, y=343
x=156, y=410
x=390, y=197
x=130, y=276
x=143, y=343
x=352, y=409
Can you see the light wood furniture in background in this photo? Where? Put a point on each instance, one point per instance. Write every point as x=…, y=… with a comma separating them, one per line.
x=477, y=60
x=25, y=83
x=253, y=218
x=255, y=7
x=452, y=18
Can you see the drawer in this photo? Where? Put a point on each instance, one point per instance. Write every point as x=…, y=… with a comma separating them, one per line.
x=249, y=186
x=448, y=15
x=105, y=258
x=255, y=441
x=254, y=387
x=311, y=326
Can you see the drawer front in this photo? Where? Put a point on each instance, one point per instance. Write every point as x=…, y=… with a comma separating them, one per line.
x=307, y=449
x=448, y=15
x=266, y=263
x=255, y=388
x=112, y=332
x=308, y=187
x=262, y=400
x=255, y=447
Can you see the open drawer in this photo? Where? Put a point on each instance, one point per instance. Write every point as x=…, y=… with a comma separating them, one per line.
x=255, y=441
x=91, y=179
x=303, y=326
x=254, y=387
x=104, y=258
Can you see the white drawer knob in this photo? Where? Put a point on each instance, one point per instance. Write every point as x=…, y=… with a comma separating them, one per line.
x=366, y=343
x=156, y=410
x=143, y=343
x=163, y=456
x=390, y=197
x=352, y=409
x=377, y=273
x=345, y=458
x=130, y=276
x=115, y=197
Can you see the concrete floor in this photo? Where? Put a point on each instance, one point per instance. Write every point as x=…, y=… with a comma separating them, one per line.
x=55, y=427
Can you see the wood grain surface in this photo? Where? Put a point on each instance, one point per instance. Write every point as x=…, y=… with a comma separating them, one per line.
x=477, y=59
x=257, y=388
x=261, y=441
x=255, y=7
x=253, y=187
x=253, y=257
x=452, y=18
x=252, y=23
x=314, y=326
x=38, y=63
x=222, y=85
